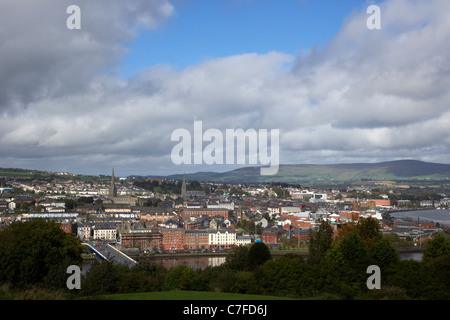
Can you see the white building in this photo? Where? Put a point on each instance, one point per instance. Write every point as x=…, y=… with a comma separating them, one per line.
x=318, y=197
x=274, y=211
x=243, y=240
x=104, y=232
x=287, y=210
x=84, y=232
x=221, y=238
x=12, y=205
x=229, y=205
x=55, y=209
x=53, y=204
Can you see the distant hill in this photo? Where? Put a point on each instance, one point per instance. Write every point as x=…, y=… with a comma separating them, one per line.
x=348, y=172
x=400, y=170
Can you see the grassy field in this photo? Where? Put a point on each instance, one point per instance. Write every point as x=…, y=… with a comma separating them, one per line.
x=189, y=295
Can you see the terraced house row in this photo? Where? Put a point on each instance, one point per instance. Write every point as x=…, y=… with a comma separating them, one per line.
x=173, y=239
x=185, y=239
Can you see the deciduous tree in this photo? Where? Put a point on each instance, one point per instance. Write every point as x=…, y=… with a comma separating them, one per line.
x=37, y=252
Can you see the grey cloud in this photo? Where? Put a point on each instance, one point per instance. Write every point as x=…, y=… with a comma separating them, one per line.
x=367, y=95
x=40, y=58
x=388, y=77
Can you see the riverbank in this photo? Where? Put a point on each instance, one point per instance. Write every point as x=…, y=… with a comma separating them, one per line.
x=208, y=254
x=274, y=253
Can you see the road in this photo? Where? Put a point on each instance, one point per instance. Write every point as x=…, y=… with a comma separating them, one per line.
x=112, y=254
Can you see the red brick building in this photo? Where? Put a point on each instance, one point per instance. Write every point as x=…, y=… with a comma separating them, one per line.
x=348, y=215
x=196, y=239
x=269, y=236
x=210, y=212
x=173, y=238
x=304, y=235
x=69, y=227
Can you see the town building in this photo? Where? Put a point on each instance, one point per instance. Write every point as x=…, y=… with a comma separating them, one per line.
x=173, y=238
x=196, y=239
x=145, y=240
x=115, y=199
x=159, y=215
x=84, y=231
x=222, y=238
x=269, y=237
x=104, y=231
x=195, y=212
x=243, y=240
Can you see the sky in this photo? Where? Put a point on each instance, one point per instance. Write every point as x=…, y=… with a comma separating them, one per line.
x=111, y=93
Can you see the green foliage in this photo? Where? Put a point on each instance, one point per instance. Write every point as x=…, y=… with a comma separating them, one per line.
x=249, y=226
x=224, y=278
x=238, y=258
x=32, y=293
x=281, y=276
x=437, y=247
x=417, y=279
x=353, y=249
x=70, y=204
x=321, y=242
x=179, y=277
x=369, y=230
x=258, y=254
x=382, y=253
x=245, y=282
x=37, y=252
x=150, y=275
x=340, y=273
x=440, y=269
x=101, y=279
x=243, y=258
x=184, y=278
x=108, y=278
x=334, y=257
x=163, y=187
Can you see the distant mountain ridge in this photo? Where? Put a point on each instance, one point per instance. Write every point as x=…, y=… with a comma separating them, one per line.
x=398, y=170
x=344, y=172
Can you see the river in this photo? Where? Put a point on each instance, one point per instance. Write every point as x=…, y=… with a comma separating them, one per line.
x=193, y=262
x=437, y=216
x=196, y=262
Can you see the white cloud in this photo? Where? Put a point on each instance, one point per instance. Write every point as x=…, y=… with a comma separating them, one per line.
x=368, y=95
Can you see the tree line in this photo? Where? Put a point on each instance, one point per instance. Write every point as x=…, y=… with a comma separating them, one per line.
x=36, y=253
x=167, y=187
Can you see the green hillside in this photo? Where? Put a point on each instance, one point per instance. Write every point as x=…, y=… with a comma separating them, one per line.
x=410, y=170
x=400, y=170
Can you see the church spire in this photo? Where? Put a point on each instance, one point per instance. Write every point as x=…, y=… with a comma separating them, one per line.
x=112, y=188
x=183, y=188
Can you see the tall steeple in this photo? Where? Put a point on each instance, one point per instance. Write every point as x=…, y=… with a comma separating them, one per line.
x=183, y=188
x=112, y=188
